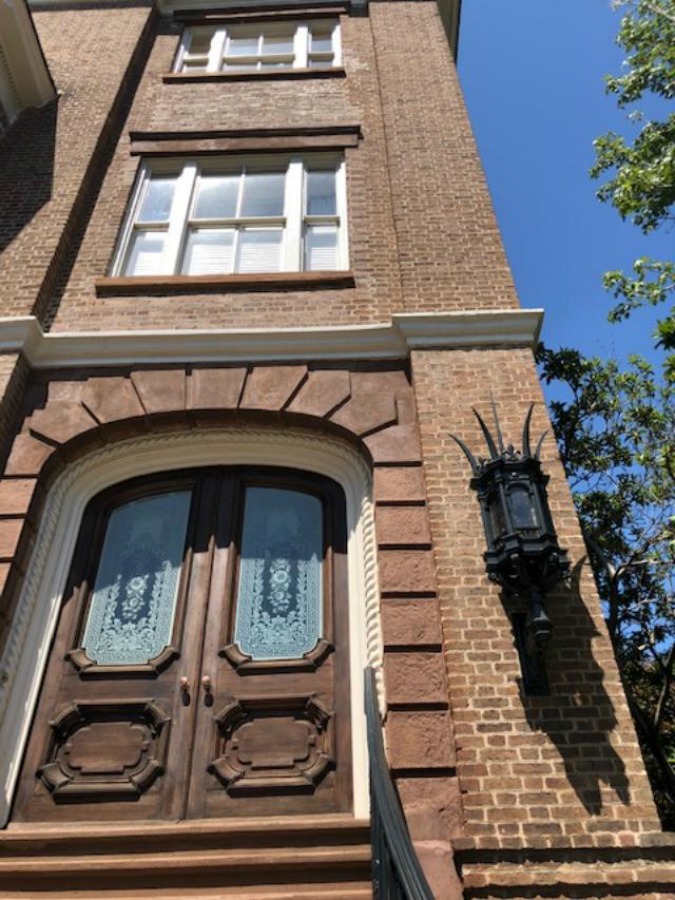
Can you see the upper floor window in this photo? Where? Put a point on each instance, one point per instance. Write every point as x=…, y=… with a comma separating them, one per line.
x=260, y=46
x=236, y=215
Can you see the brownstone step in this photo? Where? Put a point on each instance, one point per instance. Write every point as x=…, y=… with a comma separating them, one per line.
x=327, y=857
x=636, y=878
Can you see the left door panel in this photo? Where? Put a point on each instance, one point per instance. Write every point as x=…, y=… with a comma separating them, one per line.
x=113, y=730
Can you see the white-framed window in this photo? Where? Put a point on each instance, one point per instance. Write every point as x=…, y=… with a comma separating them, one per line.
x=221, y=216
x=260, y=46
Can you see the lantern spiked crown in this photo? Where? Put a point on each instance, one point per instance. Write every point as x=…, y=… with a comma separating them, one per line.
x=523, y=555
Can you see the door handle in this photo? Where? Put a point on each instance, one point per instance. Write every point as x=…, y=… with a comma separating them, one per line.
x=206, y=684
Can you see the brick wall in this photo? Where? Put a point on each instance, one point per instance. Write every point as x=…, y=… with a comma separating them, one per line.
x=420, y=219
x=561, y=768
x=44, y=161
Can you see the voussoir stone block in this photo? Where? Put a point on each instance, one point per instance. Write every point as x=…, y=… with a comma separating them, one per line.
x=111, y=399
x=60, y=421
x=27, y=456
x=398, y=444
x=323, y=391
x=271, y=387
x=160, y=391
x=402, y=525
x=16, y=495
x=215, y=388
x=10, y=533
x=407, y=571
x=415, y=678
x=372, y=404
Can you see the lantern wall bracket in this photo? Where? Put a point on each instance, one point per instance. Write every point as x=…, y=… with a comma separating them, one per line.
x=523, y=555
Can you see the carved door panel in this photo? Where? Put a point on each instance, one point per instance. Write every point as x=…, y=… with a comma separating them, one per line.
x=112, y=731
x=196, y=665
x=273, y=733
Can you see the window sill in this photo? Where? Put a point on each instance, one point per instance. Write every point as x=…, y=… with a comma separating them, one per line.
x=169, y=285
x=272, y=75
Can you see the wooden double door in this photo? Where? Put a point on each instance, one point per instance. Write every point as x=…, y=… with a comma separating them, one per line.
x=200, y=666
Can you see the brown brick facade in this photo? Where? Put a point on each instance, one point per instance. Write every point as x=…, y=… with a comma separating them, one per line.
x=525, y=796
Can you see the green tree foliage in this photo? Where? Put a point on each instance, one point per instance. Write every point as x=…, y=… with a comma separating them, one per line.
x=640, y=172
x=616, y=435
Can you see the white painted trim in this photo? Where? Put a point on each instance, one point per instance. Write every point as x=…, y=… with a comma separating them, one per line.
x=24, y=56
x=27, y=649
x=521, y=326
x=392, y=340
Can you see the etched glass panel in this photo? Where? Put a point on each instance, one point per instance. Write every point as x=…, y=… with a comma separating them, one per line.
x=279, y=597
x=133, y=603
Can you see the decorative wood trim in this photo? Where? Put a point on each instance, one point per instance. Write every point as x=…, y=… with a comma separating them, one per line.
x=64, y=781
x=245, y=665
x=259, y=75
x=380, y=340
x=249, y=140
x=87, y=668
x=162, y=285
x=243, y=712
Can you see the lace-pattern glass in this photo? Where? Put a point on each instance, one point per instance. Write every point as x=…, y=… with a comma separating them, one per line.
x=133, y=603
x=279, y=596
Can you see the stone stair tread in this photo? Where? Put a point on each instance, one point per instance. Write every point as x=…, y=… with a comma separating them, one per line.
x=174, y=861
x=214, y=834
x=356, y=891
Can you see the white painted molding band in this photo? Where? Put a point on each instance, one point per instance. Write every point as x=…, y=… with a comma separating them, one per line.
x=392, y=340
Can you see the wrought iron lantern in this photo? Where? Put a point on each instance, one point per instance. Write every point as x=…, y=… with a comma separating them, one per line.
x=523, y=555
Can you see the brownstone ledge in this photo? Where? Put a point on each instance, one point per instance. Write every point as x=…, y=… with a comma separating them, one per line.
x=565, y=872
x=257, y=75
x=548, y=846
x=169, y=285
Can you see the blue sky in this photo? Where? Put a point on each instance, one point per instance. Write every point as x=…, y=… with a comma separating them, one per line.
x=532, y=73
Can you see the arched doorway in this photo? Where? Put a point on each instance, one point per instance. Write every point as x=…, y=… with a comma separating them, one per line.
x=200, y=666
x=145, y=455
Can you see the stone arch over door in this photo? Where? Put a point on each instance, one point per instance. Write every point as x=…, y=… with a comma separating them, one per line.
x=87, y=432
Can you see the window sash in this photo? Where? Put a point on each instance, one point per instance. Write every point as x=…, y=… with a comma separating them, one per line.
x=182, y=229
x=302, y=55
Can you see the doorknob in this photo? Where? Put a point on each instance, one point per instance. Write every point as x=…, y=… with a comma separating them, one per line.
x=184, y=685
x=206, y=684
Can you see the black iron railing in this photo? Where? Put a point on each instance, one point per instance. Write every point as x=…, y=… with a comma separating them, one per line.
x=397, y=873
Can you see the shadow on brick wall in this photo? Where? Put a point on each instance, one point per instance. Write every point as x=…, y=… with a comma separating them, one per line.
x=26, y=170
x=578, y=715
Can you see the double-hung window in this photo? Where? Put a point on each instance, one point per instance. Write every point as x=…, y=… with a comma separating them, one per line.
x=237, y=215
x=260, y=46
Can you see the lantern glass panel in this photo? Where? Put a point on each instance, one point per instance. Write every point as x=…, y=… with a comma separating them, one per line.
x=496, y=513
x=522, y=509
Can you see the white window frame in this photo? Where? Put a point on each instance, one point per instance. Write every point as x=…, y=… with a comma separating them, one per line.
x=294, y=221
x=301, y=57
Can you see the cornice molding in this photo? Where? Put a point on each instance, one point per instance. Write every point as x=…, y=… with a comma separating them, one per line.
x=24, y=57
x=392, y=340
